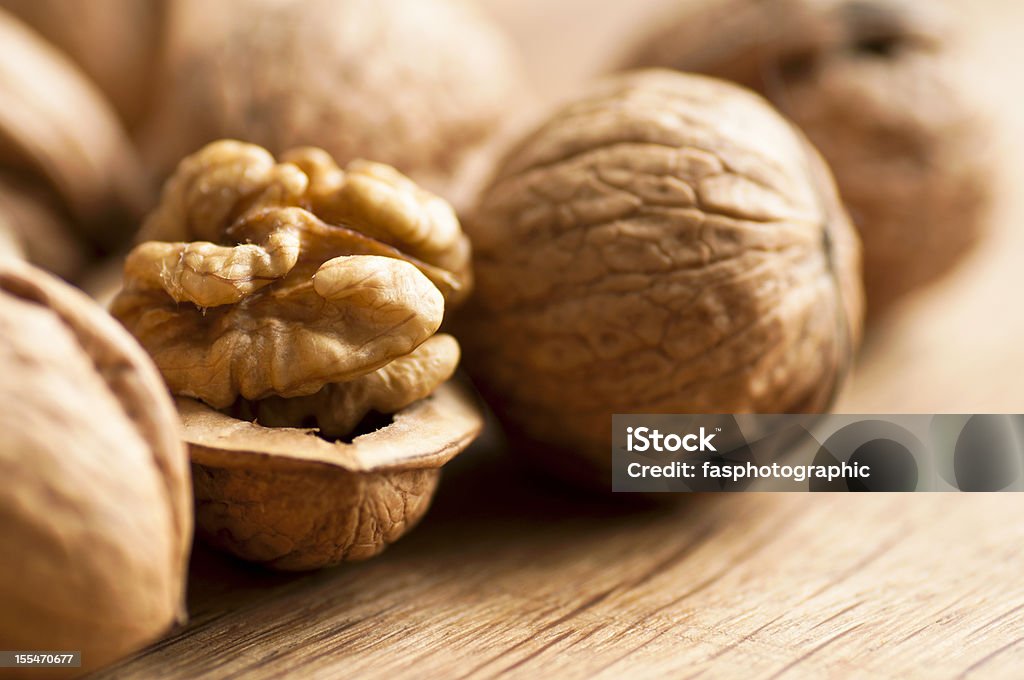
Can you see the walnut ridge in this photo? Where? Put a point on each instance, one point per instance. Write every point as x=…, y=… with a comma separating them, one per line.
x=664, y=243
x=298, y=298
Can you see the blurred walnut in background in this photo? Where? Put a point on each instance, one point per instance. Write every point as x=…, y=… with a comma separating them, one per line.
x=114, y=42
x=70, y=183
x=875, y=85
x=417, y=84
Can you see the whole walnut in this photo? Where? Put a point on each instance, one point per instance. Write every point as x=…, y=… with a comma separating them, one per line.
x=63, y=150
x=416, y=84
x=96, y=505
x=285, y=300
x=877, y=86
x=114, y=42
x=664, y=243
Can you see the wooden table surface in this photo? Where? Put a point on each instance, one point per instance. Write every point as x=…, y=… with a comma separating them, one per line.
x=510, y=574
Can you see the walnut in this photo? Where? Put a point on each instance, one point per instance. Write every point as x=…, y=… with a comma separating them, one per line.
x=114, y=42
x=665, y=243
x=295, y=297
x=96, y=505
x=37, y=230
x=876, y=86
x=417, y=84
x=58, y=135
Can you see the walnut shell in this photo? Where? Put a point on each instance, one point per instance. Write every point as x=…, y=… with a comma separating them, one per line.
x=58, y=131
x=96, y=506
x=297, y=294
x=29, y=218
x=876, y=86
x=416, y=84
x=114, y=42
x=287, y=498
x=664, y=243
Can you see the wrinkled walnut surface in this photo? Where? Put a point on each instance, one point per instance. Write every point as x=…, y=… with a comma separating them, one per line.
x=311, y=274
x=287, y=498
x=337, y=409
x=876, y=86
x=665, y=243
x=417, y=84
x=96, y=506
x=300, y=298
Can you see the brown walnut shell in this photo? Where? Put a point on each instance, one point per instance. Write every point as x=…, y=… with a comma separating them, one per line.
x=287, y=498
x=114, y=42
x=58, y=131
x=29, y=218
x=877, y=87
x=416, y=84
x=95, y=505
x=664, y=244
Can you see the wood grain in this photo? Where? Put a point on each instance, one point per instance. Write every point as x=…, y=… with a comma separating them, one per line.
x=510, y=575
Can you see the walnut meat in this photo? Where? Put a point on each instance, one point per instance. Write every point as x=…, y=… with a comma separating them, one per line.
x=96, y=505
x=294, y=296
x=877, y=87
x=417, y=84
x=665, y=243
